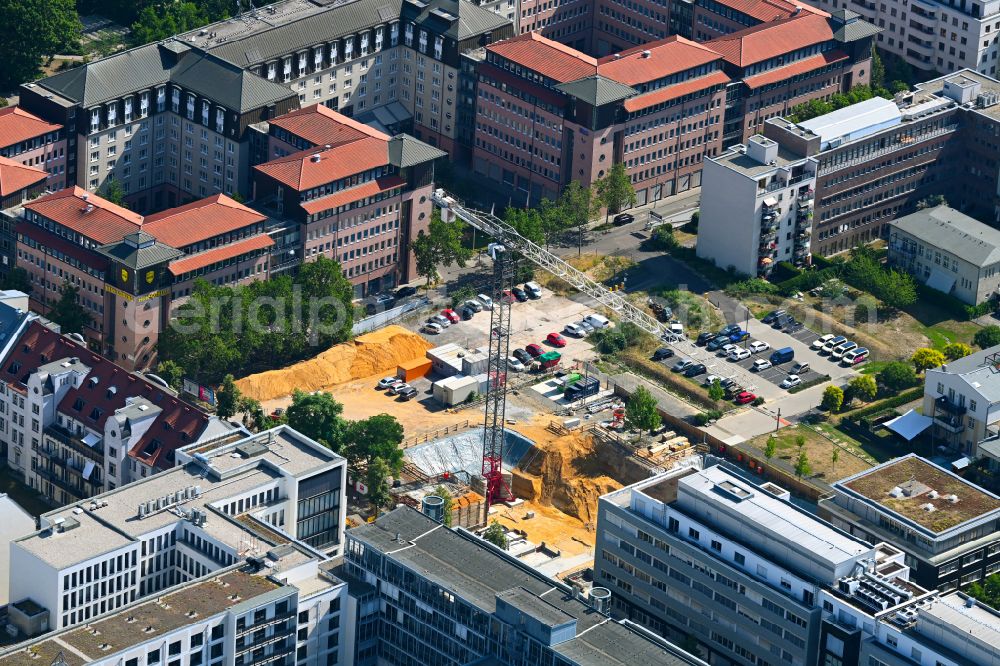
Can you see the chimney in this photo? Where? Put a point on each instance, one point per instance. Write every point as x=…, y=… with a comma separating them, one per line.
x=647, y=53
x=315, y=158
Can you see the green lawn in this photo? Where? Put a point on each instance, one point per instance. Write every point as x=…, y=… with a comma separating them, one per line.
x=873, y=367
x=29, y=500
x=878, y=446
x=939, y=326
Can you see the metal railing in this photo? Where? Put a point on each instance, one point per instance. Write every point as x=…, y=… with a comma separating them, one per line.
x=868, y=157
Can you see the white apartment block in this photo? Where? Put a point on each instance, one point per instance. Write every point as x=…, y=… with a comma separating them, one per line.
x=932, y=35
x=963, y=399
x=758, y=208
x=223, y=502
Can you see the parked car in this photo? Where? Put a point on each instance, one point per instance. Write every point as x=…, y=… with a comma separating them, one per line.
x=830, y=344
x=409, y=393
x=473, y=304
x=597, y=321
x=682, y=365
x=387, y=382
x=507, y=296
x=534, y=350
x=695, y=369
x=404, y=292
x=396, y=389
x=522, y=356
x=277, y=413
x=704, y=338
x=432, y=327
x=451, y=315
x=729, y=330
x=783, y=355
x=486, y=301
x=717, y=342
x=782, y=321
x=676, y=328
x=761, y=364
x=758, y=346
x=711, y=379
x=771, y=316
x=622, y=219
x=575, y=330
x=799, y=368
x=728, y=383
x=794, y=326
x=839, y=351
x=515, y=364
x=520, y=294
x=533, y=289
x=662, y=353
x=790, y=381
x=441, y=320
x=822, y=340
x=855, y=356
x=467, y=313
x=555, y=340
x=744, y=397
x=585, y=325
x=739, y=335
x=739, y=354
x=726, y=349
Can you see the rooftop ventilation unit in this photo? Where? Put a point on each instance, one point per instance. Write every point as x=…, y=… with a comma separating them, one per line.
x=928, y=507
x=315, y=158
x=953, y=499
x=647, y=53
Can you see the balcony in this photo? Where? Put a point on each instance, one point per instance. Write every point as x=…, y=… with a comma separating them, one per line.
x=910, y=142
x=77, y=492
x=952, y=424
x=66, y=438
x=922, y=28
x=942, y=404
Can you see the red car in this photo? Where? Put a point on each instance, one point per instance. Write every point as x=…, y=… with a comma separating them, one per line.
x=534, y=350
x=451, y=315
x=555, y=340
x=508, y=296
x=744, y=397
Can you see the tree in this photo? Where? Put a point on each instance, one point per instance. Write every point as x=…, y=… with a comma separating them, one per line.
x=771, y=447
x=863, y=387
x=253, y=414
x=377, y=479
x=68, y=312
x=615, y=190
x=956, y=350
x=715, y=390
x=926, y=358
x=17, y=279
x=157, y=23
x=227, y=398
x=317, y=415
x=552, y=218
x=171, y=372
x=31, y=30
x=527, y=222
x=423, y=251
x=579, y=206
x=833, y=399
x=878, y=69
x=802, y=467
x=440, y=246
x=986, y=337
x=448, y=505
x=897, y=376
x=496, y=535
x=377, y=436
x=800, y=442
x=114, y=192
x=834, y=457
x=641, y=411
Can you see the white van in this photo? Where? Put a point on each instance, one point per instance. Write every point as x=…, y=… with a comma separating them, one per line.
x=534, y=289
x=486, y=301
x=597, y=321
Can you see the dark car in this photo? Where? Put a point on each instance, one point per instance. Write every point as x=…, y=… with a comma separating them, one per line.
x=623, y=218
x=782, y=321
x=771, y=316
x=403, y=292
x=729, y=330
x=466, y=313
x=695, y=370
x=662, y=353
x=534, y=350
x=522, y=356
x=703, y=338
x=716, y=343
x=739, y=335
x=520, y=294
x=408, y=393
x=794, y=326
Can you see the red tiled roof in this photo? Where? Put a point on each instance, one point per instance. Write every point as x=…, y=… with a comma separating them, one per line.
x=547, y=57
x=15, y=176
x=769, y=10
x=40, y=345
x=769, y=40
x=667, y=56
x=193, y=262
x=105, y=223
x=200, y=220
x=320, y=126
x=301, y=171
x=797, y=67
x=18, y=125
x=369, y=189
x=675, y=91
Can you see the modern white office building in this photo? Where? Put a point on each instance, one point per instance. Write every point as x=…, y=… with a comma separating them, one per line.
x=759, y=210
x=223, y=502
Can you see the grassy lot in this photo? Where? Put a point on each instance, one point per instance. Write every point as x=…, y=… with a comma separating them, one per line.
x=938, y=326
x=29, y=500
x=819, y=450
x=876, y=447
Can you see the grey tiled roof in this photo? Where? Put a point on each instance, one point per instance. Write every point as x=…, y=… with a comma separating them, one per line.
x=472, y=19
x=854, y=26
x=143, y=251
x=405, y=151
x=597, y=90
x=227, y=84
x=110, y=78
x=947, y=229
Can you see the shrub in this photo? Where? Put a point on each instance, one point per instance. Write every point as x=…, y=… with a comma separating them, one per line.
x=833, y=398
x=988, y=336
x=889, y=403
x=702, y=418
x=758, y=401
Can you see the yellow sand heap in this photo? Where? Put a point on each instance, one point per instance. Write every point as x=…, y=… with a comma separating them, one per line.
x=370, y=354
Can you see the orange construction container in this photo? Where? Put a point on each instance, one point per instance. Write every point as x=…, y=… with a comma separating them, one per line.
x=413, y=369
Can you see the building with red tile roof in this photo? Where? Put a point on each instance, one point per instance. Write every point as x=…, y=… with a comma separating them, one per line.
x=18, y=182
x=94, y=425
x=35, y=142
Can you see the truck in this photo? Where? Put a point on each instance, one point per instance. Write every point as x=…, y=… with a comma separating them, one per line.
x=582, y=388
x=783, y=355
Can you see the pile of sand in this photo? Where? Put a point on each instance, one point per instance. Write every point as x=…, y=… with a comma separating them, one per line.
x=371, y=354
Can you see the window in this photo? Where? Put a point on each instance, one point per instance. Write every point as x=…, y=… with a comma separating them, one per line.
x=740, y=559
x=693, y=533
x=716, y=545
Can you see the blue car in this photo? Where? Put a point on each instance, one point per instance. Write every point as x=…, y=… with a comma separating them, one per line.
x=739, y=335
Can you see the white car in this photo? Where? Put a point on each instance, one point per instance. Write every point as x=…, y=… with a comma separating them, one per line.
x=710, y=379
x=838, y=352
x=727, y=349
x=474, y=305
x=396, y=389
x=514, y=364
x=819, y=342
x=761, y=364
x=790, y=381
x=386, y=382
x=757, y=346
x=440, y=320
x=575, y=330
x=739, y=354
x=486, y=301
x=432, y=327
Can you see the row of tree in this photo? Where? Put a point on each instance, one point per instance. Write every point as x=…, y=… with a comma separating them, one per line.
x=864, y=271
x=259, y=326
x=818, y=107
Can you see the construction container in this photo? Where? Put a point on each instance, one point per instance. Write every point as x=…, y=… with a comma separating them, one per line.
x=455, y=390
x=446, y=360
x=414, y=369
x=475, y=363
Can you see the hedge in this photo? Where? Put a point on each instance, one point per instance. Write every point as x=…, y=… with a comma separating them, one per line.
x=784, y=271
x=888, y=403
x=822, y=262
x=808, y=280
